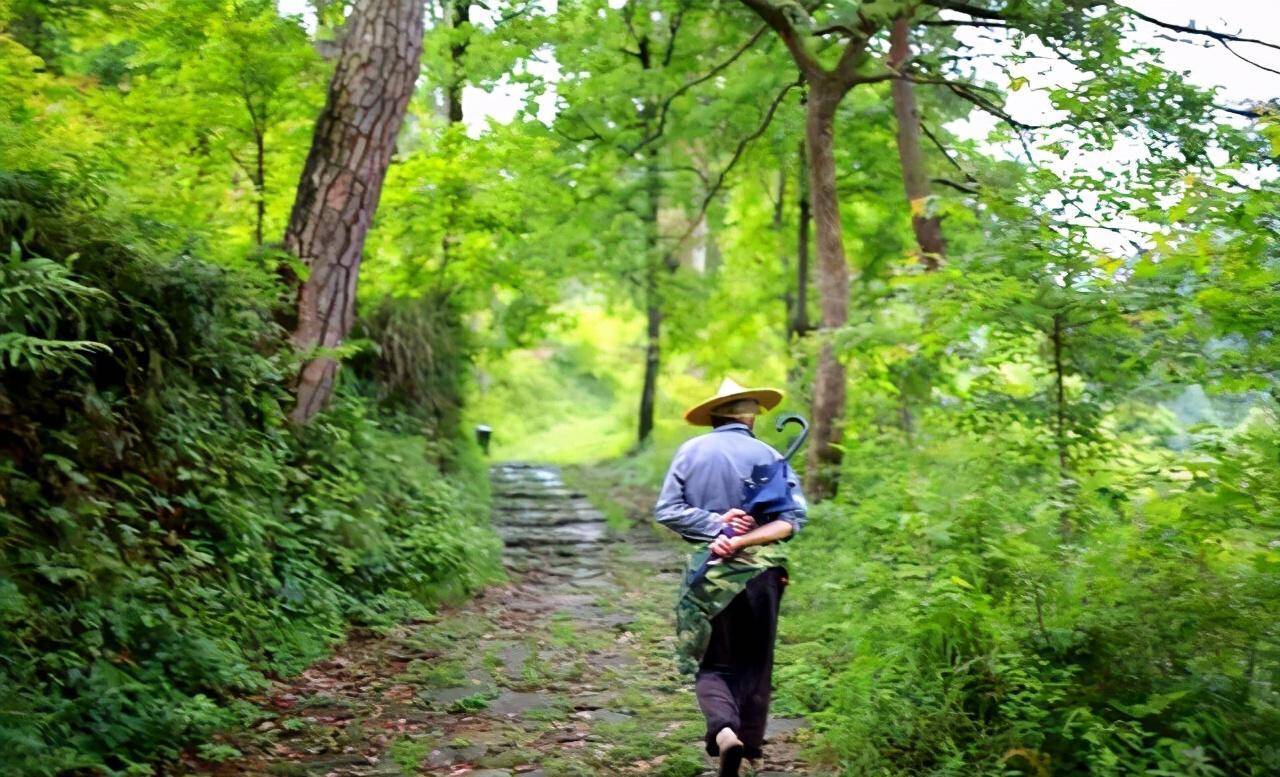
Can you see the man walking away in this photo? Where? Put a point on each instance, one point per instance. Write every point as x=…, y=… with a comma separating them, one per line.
x=726, y=620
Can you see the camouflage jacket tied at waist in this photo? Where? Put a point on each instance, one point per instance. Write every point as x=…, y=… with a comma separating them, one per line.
x=699, y=603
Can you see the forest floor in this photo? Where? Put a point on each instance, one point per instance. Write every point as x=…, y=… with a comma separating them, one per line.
x=565, y=671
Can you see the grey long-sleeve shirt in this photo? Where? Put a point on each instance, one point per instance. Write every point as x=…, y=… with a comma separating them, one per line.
x=707, y=477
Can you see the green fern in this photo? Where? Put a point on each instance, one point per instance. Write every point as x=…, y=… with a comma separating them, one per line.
x=39, y=299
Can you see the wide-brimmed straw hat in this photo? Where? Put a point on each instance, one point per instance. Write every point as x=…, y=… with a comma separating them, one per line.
x=731, y=391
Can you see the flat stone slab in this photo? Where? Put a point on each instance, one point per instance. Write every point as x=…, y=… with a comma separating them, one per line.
x=447, y=756
x=329, y=763
x=603, y=716
x=519, y=702
x=588, y=531
x=781, y=726
x=594, y=700
x=450, y=695
x=513, y=659
x=534, y=491
x=542, y=517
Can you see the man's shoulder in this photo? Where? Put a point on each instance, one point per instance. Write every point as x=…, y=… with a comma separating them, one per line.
x=725, y=441
x=694, y=443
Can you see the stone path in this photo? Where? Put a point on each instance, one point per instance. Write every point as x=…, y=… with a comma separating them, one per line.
x=566, y=671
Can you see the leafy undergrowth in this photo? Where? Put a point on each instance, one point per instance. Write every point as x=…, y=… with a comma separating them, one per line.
x=944, y=630
x=167, y=540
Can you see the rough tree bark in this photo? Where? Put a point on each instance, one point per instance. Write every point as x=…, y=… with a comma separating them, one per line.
x=656, y=263
x=915, y=177
x=1056, y=336
x=459, y=14
x=259, y=182
x=354, y=140
x=930, y=244
x=833, y=287
x=804, y=222
x=784, y=256
x=827, y=88
x=652, y=299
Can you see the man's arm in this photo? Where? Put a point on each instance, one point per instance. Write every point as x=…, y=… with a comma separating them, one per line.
x=773, y=531
x=800, y=516
x=672, y=511
x=784, y=526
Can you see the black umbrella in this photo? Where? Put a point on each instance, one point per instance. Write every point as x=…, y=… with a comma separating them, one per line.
x=766, y=494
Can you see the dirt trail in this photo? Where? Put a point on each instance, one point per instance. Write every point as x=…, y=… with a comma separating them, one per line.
x=566, y=671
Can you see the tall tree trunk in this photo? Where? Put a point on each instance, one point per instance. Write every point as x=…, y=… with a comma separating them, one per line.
x=459, y=14
x=652, y=361
x=784, y=256
x=260, y=182
x=827, y=87
x=915, y=177
x=801, y=326
x=833, y=288
x=354, y=140
x=1060, y=418
x=652, y=299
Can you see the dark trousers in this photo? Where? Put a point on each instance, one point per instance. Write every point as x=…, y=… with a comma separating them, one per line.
x=734, y=681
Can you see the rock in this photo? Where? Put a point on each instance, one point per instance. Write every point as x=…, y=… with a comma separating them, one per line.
x=527, y=536
x=603, y=716
x=334, y=763
x=781, y=726
x=445, y=696
x=472, y=752
x=513, y=659
x=594, y=700
x=617, y=620
x=612, y=662
x=518, y=702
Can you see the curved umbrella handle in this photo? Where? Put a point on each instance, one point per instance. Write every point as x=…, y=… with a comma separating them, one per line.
x=793, y=418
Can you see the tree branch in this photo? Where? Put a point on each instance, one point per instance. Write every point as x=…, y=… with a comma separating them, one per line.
x=843, y=29
x=955, y=185
x=516, y=14
x=963, y=91
x=715, y=187
x=928, y=133
x=1243, y=58
x=963, y=23
x=968, y=10
x=673, y=29
x=712, y=73
x=1216, y=35
x=847, y=68
x=774, y=16
x=1249, y=113
x=855, y=52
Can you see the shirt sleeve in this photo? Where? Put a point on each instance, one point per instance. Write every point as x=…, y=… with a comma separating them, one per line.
x=675, y=513
x=800, y=516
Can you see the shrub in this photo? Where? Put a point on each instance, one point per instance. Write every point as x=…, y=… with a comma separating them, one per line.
x=939, y=626
x=166, y=539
